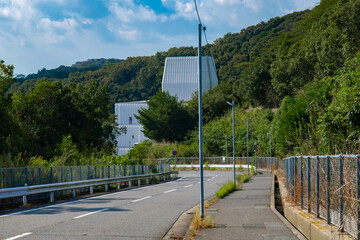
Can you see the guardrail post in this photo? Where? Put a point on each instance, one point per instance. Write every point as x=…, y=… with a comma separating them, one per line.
x=129, y=184
x=52, y=197
x=308, y=185
x=25, y=197
x=73, y=193
x=118, y=185
x=106, y=187
x=328, y=219
x=301, y=184
x=91, y=190
x=147, y=181
x=317, y=187
x=341, y=210
x=139, y=182
x=358, y=194
x=24, y=201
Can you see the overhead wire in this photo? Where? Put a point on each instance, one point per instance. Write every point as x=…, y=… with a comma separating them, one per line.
x=198, y=14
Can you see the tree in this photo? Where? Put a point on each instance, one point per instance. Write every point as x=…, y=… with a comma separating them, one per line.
x=7, y=121
x=165, y=119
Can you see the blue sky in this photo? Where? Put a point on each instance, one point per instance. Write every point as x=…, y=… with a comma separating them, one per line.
x=48, y=33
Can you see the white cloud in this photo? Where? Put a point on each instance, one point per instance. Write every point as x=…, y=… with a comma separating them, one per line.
x=128, y=12
x=67, y=24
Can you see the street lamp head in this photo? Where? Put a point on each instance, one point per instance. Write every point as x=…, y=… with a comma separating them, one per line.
x=229, y=103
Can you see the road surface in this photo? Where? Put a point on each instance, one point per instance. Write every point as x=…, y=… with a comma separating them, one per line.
x=142, y=213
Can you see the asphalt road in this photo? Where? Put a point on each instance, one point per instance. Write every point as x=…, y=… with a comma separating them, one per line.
x=140, y=213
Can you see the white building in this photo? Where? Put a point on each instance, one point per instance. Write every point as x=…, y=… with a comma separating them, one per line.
x=125, y=118
x=180, y=79
x=180, y=76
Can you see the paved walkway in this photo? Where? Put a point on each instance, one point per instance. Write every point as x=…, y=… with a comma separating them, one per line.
x=246, y=214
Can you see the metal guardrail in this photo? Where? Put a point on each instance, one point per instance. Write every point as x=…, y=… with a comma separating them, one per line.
x=54, y=187
x=328, y=186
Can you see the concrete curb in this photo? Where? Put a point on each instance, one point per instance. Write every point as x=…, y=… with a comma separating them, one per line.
x=182, y=227
x=296, y=232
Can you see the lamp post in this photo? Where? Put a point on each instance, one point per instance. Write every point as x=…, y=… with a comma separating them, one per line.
x=233, y=120
x=270, y=151
x=247, y=142
x=202, y=209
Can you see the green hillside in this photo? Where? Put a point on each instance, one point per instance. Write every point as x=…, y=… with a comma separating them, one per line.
x=295, y=76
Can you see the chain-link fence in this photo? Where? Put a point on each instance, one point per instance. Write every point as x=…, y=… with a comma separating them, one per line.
x=27, y=176
x=327, y=186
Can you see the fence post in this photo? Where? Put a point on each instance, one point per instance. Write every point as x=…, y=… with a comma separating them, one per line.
x=308, y=185
x=88, y=167
x=11, y=178
x=358, y=194
x=26, y=177
x=71, y=174
x=103, y=171
x=62, y=174
x=95, y=177
x=328, y=220
x=317, y=187
x=341, y=210
x=301, y=184
x=51, y=175
x=39, y=169
x=294, y=179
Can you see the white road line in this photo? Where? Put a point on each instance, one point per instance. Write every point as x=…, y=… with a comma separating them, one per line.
x=172, y=190
x=140, y=199
x=212, y=177
x=19, y=236
x=188, y=186
x=81, y=200
x=90, y=213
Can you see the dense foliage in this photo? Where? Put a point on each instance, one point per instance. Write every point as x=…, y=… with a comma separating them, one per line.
x=165, y=119
x=296, y=76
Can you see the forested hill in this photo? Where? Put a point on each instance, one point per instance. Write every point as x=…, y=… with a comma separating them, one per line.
x=258, y=66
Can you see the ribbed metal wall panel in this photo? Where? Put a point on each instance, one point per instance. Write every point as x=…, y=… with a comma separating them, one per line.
x=128, y=109
x=127, y=140
x=180, y=76
x=123, y=111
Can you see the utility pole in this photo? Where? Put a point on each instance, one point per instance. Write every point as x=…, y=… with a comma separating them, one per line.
x=202, y=210
x=247, y=140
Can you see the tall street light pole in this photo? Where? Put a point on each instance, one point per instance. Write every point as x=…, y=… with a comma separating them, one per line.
x=233, y=123
x=270, y=151
x=247, y=141
x=202, y=210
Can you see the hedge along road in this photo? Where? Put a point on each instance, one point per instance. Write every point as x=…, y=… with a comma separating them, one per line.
x=140, y=213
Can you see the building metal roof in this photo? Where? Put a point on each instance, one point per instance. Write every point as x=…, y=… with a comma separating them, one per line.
x=180, y=76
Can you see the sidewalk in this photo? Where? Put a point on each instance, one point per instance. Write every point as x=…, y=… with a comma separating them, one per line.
x=246, y=214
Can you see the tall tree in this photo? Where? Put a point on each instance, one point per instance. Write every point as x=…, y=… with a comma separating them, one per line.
x=165, y=119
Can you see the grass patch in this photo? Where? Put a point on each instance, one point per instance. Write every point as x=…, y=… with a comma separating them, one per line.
x=225, y=189
x=243, y=178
